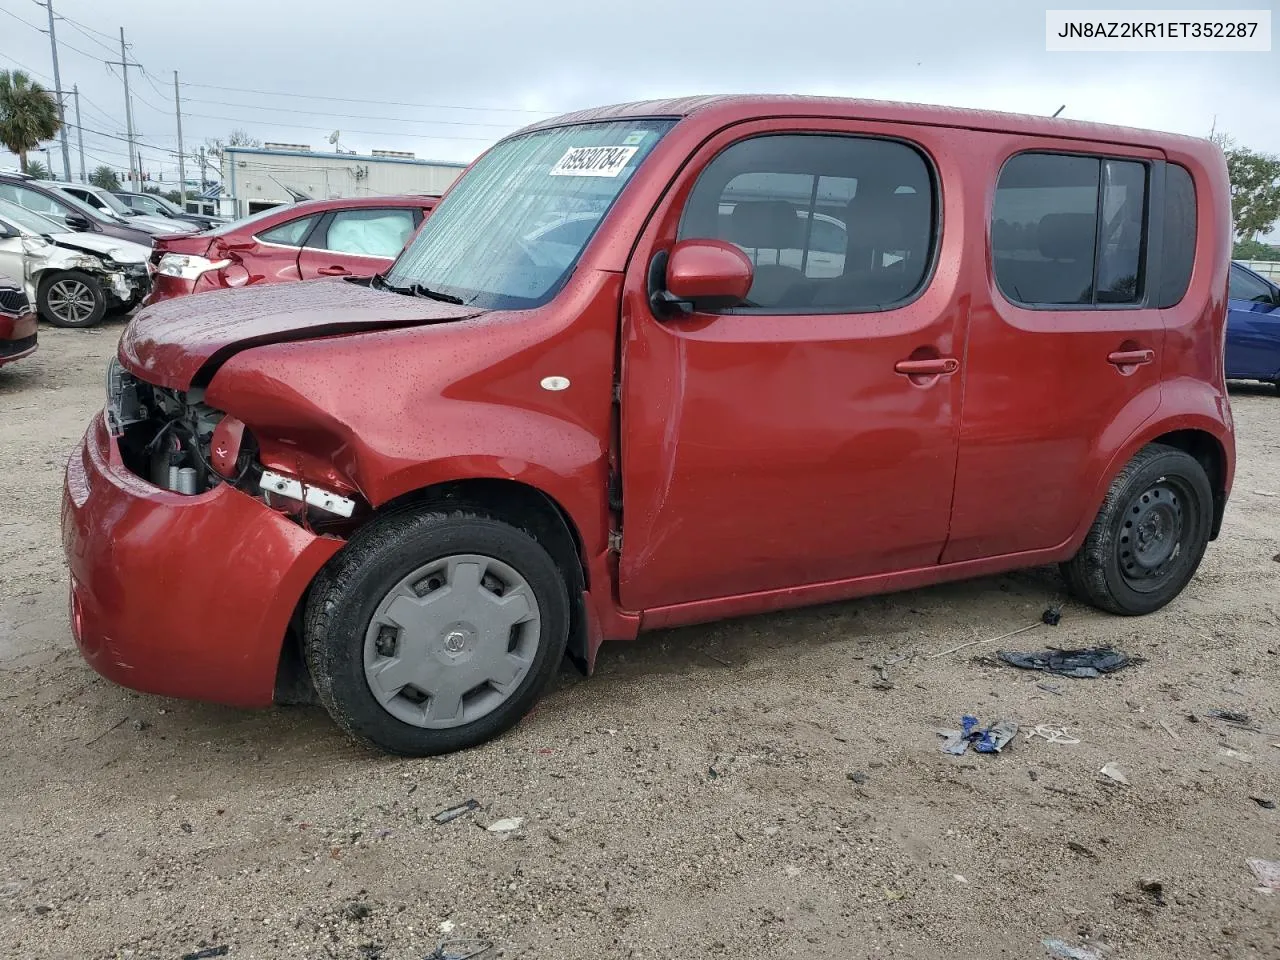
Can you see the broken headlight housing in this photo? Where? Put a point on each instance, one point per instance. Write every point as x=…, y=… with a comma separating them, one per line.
x=187, y=266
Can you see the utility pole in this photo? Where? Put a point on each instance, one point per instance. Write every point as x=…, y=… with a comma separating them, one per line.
x=123, y=64
x=75, y=92
x=57, y=87
x=182, y=163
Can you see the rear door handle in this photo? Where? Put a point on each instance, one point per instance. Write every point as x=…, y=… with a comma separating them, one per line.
x=1130, y=358
x=333, y=272
x=933, y=367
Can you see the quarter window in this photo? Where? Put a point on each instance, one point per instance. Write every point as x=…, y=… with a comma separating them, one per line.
x=1070, y=230
x=1179, y=235
x=833, y=224
x=288, y=234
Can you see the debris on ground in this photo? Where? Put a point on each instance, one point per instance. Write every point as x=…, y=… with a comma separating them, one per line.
x=1081, y=849
x=453, y=813
x=505, y=825
x=1264, y=802
x=460, y=950
x=1050, y=688
x=355, y=910
x=1153, y=888
x=857, y=776
x=882, y=681
x=1112, y=771
x=1240, y=755
x=1267, y=872
x=992, y=739
x=1081, y=664
x=1169, y=730
x=1060, y=948
x=974, y=643
x=1051, y=734
x=1051, y=617
x=1230, y=716
x=208, y=953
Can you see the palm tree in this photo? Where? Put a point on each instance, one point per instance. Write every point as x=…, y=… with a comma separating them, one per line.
x=28, y=114
x=39, y=170
x=105, y=177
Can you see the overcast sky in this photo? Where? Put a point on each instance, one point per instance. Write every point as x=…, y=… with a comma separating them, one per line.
x=474, y=67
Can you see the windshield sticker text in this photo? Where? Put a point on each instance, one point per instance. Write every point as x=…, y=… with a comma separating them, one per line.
x=593, y=161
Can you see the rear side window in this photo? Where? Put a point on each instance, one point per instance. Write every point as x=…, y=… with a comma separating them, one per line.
x=1070, y=231
x=1179, y=235
x=833, y=224
x=368, y=232
x=288, y=234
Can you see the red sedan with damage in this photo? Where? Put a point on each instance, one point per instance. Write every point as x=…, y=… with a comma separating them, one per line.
x=17, y=323
x=355, y=236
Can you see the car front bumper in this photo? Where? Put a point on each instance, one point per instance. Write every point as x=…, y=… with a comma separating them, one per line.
x=182, y=596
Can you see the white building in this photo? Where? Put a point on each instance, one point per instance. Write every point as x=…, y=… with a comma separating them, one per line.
x=255, y=178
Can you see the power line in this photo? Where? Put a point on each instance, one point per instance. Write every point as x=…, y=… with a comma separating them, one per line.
x=345, y=116
x=315, y=126
x=385, y=103
x=10, y=13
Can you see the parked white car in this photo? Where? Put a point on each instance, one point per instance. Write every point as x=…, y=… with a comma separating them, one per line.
x=73, y=278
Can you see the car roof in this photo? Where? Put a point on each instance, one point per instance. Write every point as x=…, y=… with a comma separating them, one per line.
x=726, y=109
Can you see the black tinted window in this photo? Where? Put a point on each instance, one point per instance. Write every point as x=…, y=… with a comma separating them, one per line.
x=1070, y=230
x=1179, y=235
x=832, y=224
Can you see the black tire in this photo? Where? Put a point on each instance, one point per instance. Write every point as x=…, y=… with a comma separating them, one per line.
x=50, y=286
x=346, y=594
x=1135, y=570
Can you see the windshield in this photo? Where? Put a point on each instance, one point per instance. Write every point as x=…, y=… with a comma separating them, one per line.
x=113, y=202
x=510, y=232
x=28, y=221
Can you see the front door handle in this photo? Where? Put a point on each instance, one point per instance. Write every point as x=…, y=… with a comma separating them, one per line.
x=334, y=272
x=932, y=367
x=1130, y=358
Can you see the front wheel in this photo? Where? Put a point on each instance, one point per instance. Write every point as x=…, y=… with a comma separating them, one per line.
x=72, y=299
x=432, y=632
x=1148, y=538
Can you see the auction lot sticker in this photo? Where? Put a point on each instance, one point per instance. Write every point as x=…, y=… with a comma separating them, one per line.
x=1158, y=31
x=593, y=161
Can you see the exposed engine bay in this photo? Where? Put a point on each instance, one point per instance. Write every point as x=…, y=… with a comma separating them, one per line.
x=177, y=442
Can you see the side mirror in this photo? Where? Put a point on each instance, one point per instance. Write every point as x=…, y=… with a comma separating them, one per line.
x=77, y=222
x=7, y=232
x=705, y=275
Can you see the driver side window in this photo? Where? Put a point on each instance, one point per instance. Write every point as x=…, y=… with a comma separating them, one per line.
x=832, y=224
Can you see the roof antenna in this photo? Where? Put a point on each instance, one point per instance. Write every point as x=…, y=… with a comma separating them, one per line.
x=1060, y=109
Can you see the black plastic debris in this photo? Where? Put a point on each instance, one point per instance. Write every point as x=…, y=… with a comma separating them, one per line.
x=1052, y=616
x=453, y=813
x=207, y=953
x=1081, y=664
x=1264, y=802
x=1231, y=716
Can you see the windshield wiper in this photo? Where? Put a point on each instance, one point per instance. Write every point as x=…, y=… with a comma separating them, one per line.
x=416, y=290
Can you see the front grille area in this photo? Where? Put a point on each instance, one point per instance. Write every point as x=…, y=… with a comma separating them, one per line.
x=11, y=348
x=14, y=301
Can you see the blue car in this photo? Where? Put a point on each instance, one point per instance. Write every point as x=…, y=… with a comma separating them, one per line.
x=1253, y=327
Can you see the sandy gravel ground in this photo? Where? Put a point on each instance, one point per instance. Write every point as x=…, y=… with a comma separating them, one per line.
x=738, y=790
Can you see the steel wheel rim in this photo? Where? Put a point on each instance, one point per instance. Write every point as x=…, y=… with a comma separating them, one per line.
x=1153, y=534
x=71, y=301
x=452, y=641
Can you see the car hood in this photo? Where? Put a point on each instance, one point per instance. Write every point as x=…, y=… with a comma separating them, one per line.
x=180, y=342
x=161, y=226
x=121, y=251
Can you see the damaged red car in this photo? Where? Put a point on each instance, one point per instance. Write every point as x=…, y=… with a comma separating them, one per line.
x=355, y=236
x=657, y=364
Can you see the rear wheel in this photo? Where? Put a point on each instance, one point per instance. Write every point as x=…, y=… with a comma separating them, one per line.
x=71, y=299
x=433, y=632
x=1148, y=538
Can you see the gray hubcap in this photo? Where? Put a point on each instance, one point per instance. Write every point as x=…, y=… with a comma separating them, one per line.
x=452, y=641
x=71, y=301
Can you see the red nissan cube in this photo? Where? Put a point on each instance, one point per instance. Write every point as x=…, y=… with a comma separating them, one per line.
x=356, y=236
x=657, y=364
